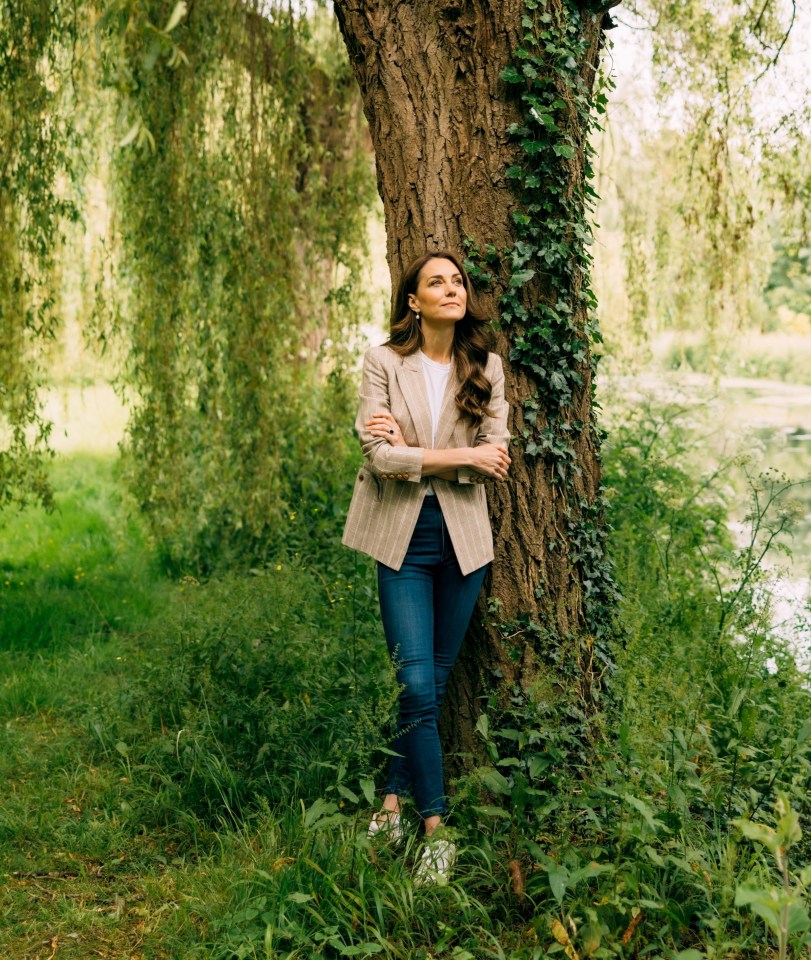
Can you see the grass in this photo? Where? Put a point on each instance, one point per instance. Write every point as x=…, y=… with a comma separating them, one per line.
x=81, y=570
x=77, y=589
x=189, y=767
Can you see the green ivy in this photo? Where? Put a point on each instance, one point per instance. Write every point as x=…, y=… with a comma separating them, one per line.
x=550, y=336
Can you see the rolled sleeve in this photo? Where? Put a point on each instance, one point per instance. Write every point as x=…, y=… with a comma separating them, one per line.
x=492, y=429
x=384, y=460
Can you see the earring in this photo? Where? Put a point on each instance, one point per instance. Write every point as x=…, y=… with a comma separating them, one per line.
x=417, y=315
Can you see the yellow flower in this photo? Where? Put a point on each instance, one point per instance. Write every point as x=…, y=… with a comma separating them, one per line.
x=278, y=566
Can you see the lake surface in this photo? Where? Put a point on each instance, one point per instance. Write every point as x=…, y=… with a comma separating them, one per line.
x=771, y=421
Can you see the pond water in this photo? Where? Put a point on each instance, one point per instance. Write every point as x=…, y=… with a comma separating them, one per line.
x=772, y=422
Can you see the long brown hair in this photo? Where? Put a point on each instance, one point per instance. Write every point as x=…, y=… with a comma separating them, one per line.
x=472, y=337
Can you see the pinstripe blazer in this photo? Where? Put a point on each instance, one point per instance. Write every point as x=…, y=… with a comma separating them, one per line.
x=389, y=490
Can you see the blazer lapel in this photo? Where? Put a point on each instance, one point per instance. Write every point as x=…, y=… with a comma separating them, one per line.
x=449, y=412
x=411, y=378
x=412, y=384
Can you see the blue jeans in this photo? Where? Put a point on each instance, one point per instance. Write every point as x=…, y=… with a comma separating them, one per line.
x=426, y=607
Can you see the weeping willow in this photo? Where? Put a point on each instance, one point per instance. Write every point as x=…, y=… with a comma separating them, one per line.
x=240, y=193
x=37, y=45
x=698, y=241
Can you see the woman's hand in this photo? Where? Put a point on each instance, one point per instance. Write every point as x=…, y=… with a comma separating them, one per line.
x=384, y=425
x=491, y=459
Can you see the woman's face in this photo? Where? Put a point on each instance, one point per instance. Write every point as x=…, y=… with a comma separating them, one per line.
x=440, y=297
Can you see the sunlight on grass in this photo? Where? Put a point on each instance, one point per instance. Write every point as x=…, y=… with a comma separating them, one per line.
x=82, y=569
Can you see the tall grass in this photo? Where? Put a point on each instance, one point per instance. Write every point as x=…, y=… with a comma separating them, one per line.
x=197, y=761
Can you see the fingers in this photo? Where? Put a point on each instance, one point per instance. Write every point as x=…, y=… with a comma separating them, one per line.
x=383, y=425
x=382, y=421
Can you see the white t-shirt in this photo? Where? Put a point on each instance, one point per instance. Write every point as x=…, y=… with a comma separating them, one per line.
x=436, y=379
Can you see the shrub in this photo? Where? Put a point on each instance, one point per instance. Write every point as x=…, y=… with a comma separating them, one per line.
x=259, y=686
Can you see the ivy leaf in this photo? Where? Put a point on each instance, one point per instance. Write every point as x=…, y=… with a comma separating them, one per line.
x=558, y=381
x=521, y=277
x=563, y=150
x=511, y=75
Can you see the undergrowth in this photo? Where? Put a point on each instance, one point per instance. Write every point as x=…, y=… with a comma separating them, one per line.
x=196, y=780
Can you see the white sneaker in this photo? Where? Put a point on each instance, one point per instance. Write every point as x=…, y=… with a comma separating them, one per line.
x=386, y=824
x=434, y=865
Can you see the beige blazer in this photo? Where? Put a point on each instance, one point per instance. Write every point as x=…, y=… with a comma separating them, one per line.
x=389, y=490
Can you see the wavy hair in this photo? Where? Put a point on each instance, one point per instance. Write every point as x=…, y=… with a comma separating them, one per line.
x=472, y=337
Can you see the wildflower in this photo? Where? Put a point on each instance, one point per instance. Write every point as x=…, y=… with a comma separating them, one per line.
x=278, y=566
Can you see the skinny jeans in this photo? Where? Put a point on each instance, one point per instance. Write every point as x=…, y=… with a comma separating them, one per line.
x=426, y=607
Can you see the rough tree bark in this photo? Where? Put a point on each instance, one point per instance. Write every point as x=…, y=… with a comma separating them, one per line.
x=438, y=112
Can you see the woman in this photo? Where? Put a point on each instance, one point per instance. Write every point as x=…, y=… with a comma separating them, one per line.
x=433, y=427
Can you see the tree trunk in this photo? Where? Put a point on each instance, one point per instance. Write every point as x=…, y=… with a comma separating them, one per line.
x=439, y=113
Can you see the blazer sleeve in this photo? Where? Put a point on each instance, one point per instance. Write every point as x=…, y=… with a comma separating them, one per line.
x=492, y=429
x=384, y=460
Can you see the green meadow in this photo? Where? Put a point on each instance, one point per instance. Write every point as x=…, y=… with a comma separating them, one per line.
x=190, y=765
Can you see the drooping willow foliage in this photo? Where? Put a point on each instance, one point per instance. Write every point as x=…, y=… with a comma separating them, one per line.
x=698, y=250
x=37, y=46
x=241, y=209
x=230, y=140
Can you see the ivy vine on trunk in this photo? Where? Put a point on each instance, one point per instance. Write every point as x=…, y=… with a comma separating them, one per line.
x=479, y=113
